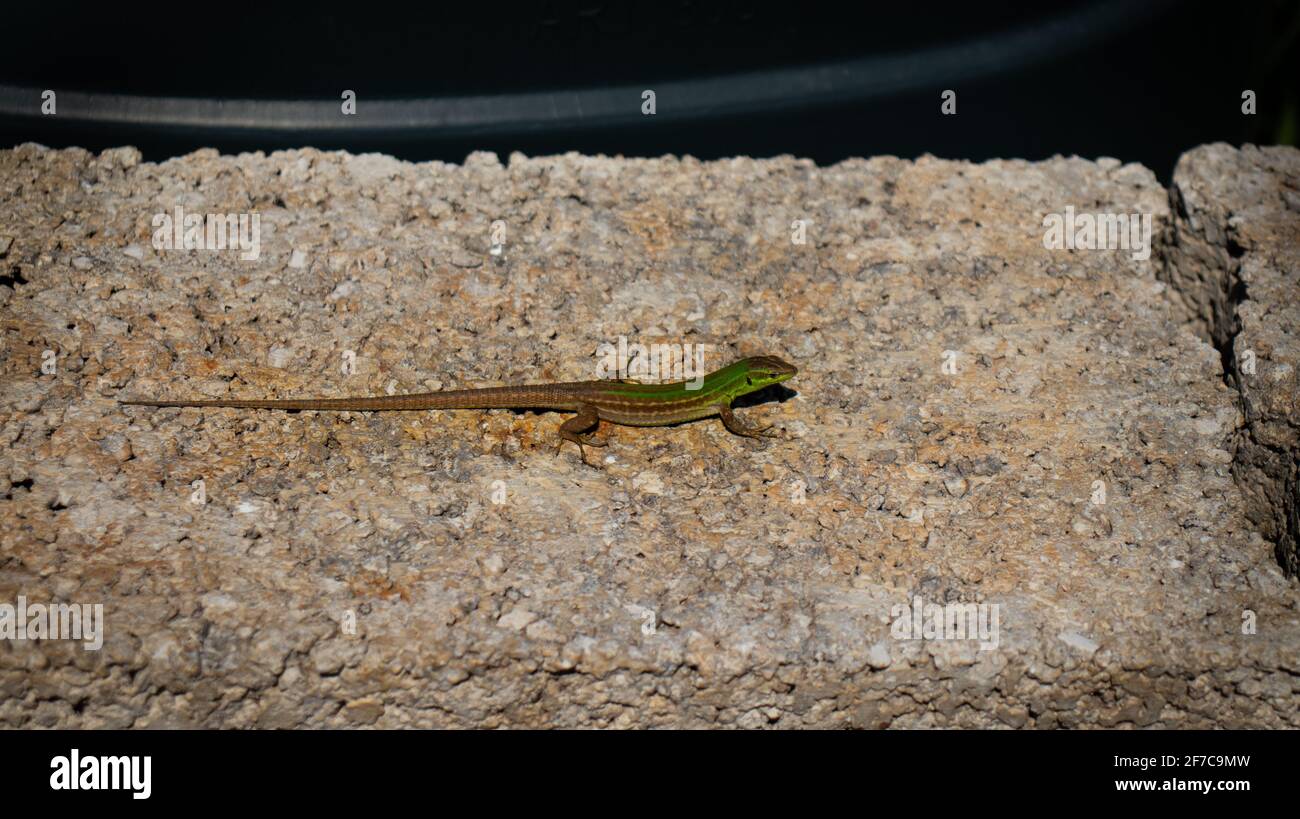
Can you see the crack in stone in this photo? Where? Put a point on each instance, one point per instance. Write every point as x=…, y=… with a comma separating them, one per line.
x=1202, y=263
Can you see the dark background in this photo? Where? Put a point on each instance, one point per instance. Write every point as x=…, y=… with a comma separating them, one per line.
x=1141, y=80
x=332, y=772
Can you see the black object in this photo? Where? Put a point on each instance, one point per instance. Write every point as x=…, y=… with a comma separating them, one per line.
x=1139, y=81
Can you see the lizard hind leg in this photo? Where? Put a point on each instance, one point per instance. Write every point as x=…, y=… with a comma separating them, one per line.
x=579, y=429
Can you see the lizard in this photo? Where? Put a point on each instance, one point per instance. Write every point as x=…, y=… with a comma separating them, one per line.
x=628, y=403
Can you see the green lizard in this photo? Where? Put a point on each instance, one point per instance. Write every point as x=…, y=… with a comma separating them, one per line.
x=620, y=402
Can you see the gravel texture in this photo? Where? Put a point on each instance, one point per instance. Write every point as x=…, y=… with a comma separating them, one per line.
x=979, y=421
x=1235, y=261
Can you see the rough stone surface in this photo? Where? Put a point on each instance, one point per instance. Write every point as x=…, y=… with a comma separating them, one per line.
x=697, y=579
x=1235, y=259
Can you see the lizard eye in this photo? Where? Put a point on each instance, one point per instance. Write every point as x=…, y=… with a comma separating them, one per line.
x=749, y=381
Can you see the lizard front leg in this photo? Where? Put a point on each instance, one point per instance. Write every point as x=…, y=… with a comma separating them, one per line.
x=579, y=429
x=737, y=427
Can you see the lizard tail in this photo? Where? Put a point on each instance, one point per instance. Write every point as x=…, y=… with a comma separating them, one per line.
x=393, y=402
x=533, y=397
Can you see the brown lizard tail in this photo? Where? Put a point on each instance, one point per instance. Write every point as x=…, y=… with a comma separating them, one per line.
x=540, y=397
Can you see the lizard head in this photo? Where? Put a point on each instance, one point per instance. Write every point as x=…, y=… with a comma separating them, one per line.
x=764, y=370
